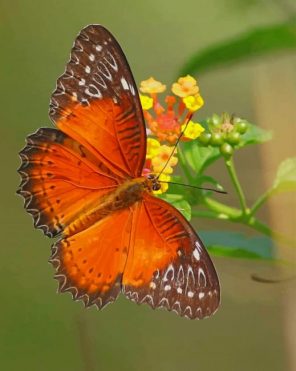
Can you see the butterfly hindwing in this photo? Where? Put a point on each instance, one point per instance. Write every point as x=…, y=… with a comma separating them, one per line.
x=168, y=265
x=96, y=102
x=90, y=263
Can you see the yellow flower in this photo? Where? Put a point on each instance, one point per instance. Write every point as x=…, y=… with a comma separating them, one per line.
x=185, y=86
x=151, y=86
x=160, y=160
x=152, y=148
x=193, y=103
x=164, y=186
x=146, y=102
x=193, y=130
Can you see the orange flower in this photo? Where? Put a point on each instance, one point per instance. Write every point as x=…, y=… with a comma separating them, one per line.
x=185, y=86
x=152, y=86
x=165, y=121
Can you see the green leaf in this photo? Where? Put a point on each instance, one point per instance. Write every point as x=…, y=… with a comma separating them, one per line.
x=178, y=202
x=199, y=157
x=254, y=135
x=237, y=245
x=286, y=176
x=174, y=188
x=255, y=43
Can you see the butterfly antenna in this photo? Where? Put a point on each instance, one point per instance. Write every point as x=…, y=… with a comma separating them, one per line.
x=188, y=118
x=196, y=187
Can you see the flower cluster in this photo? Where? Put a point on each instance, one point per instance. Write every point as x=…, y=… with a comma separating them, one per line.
x=223, y=132
x=165, y=123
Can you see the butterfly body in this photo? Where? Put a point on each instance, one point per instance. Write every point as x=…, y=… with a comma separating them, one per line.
x=123, y=197
x=82, y=182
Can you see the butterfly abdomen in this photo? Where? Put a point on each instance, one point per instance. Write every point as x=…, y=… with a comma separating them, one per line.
x=123, y=197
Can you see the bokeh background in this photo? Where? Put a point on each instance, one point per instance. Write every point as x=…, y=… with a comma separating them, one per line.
x=255, y=326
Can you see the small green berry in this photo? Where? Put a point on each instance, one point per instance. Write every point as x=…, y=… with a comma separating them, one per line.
x=241, y=127
x=215, y=120
x=216, y=140
x=226, y=150
x=233, y=137
x=205, y=138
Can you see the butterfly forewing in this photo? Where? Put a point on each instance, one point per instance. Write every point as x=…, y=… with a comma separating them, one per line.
x=60, y=179
x=96, y=102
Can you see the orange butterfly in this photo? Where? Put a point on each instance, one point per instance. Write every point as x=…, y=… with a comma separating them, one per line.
x=83, y=183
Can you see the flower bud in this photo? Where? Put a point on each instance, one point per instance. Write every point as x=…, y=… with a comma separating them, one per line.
x=226, y=150
x=216, y=140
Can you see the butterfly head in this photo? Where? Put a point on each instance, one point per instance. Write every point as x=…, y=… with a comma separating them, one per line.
x=152, y=182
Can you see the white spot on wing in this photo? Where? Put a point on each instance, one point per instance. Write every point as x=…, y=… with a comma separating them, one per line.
x=91, y=57
x=167, y=287
x=152, y=285
x=124, y=83
x=196, y=254
x=179, y=290
x=190, y=294
x=132, y=89
x=87, y=69
x=81, y=82
x=201, y=295
x=99, y=47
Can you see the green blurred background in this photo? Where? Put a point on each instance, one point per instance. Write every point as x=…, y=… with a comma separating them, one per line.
x=255, y=326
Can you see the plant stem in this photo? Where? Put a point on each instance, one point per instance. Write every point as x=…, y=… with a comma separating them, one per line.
x=232, y=172
x=223, y=212
x=263, y=198
x=264, y=229
x=204, y=214
x=219, y=208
